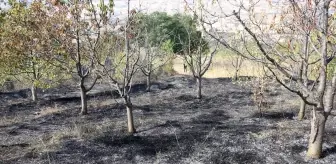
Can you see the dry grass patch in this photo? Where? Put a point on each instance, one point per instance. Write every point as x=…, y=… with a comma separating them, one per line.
x=96, y=104
x=263, y=134
x=49, y=111
x=9, y=120
x=222, y=67
x=77, y=131
x=286, y=130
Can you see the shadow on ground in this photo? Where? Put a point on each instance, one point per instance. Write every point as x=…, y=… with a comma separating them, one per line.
x=274, y=115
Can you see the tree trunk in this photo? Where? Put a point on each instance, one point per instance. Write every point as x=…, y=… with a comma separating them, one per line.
x=199, y=91
x=130, y=121
x=83, y=101
x=148, y=82
x=316, y=134
x=34, y=93
x=236, y=75
x=302, y=110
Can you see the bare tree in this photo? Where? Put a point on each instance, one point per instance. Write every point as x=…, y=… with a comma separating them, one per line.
x=237, y=63
x=200, y=60
x=304, y=19
x=97, y=17
x=118, y=60
x=153, y=58
x=236, y=60
x=285, y=67
x=83, y=71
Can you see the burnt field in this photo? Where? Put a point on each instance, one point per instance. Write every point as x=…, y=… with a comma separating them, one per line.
x=172, y=126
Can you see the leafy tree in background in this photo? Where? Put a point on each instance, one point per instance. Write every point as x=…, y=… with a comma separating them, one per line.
x=159, y=27
x=154, y=39
x=162, y=34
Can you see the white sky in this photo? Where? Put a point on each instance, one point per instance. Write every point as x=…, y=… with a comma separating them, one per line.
x=170, y=6
x=175, y=6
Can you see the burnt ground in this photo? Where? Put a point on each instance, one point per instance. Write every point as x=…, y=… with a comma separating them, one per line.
x=172, y=126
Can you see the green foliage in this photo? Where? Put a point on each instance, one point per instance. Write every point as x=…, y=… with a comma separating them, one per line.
x=179, y=30
x=167, y=69
x=330, y=69
x=110, y=55
x=25, y=37
x=167, y=46
x=2, y=16
x=118, y=62
x=249, y=48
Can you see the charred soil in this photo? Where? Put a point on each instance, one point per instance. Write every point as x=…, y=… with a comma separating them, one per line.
x=173, y=126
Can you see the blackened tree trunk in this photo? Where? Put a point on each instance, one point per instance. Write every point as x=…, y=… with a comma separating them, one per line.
x=130, y=120
x=34, y=93
x=236, y=75
x=302, y=110
x=316, y=133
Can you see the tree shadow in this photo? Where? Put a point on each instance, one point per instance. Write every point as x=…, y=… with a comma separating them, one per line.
x=136, y=145
x=142, y=87
x=72, y=97
x=23, y=93
x=110, y=111
x=297, y=149
x=213, y=119
x=178, y=146
x=224, y=80
x=274, y=115
x=236, y=157
x=20, y=108
x=186, y=98
x=329, y=151
x=240, y=94
x=69, y=153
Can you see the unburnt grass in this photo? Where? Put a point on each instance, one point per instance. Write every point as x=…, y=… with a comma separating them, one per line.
x=173, y=126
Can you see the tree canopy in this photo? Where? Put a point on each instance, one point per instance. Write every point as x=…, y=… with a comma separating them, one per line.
x=25, y=35
x=178, y=29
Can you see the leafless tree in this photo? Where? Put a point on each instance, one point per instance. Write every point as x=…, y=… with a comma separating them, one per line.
x=198, y=61
x=304, y=24
x=83, y=71
x=153, y=59
x=261, y=38
x=236, y=60
x=237, y=63
x=118, y=61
